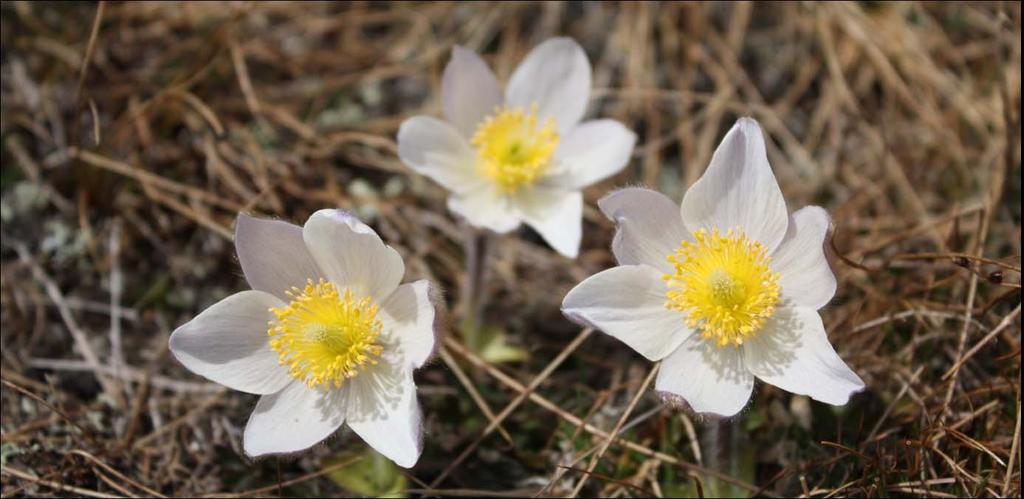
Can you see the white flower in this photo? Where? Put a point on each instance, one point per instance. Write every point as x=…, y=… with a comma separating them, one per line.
x=524, y=156
x=722, y=289
x=326, y=336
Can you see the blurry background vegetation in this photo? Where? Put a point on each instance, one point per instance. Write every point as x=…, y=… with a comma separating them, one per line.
x=132, y=134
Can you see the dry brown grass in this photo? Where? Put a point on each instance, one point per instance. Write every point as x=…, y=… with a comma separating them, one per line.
x=133, y=133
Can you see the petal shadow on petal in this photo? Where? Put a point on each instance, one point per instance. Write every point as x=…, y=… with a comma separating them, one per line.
x=413, y=317
x=328, y=404
x=727, y=368
x=294, y=419
x=793, y=352
x=378, y=392
x=776, y=352
x=709, y=378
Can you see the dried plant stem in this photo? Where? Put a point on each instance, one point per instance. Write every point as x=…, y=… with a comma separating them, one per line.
x=574, y=420
x=1014, y=449
x=53, y=485
x=615, y=431
x=77, y=333
x=137, y=130
x=473, y=392
x=557, y=361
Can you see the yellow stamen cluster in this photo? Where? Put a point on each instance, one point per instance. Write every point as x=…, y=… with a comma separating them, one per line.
x=323, y=336
x=724, y=285
x=514, y=149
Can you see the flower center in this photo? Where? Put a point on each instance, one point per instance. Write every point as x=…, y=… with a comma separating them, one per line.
x=512, y=149
x=325, y=336
x=724, y=285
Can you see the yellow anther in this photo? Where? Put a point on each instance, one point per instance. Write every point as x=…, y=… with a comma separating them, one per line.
x=724, y=285
x=324, y=336
x=513, y=149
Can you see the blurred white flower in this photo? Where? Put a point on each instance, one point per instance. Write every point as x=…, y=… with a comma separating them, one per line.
x=722, y=289
x=326, y=336
x=522, y=156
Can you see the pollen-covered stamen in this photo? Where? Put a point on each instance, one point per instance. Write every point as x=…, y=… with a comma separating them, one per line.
x=324, y=336
x=724, y=285
x=514, y=149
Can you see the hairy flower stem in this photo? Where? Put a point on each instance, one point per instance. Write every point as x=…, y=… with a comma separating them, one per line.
x=474, y=294
x=720, y=440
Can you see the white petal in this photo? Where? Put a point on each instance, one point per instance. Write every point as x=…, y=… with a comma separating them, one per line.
x=228, y=343
x=352, y=255
x=556, y=214
x=739, y=190
x=384, y=412
x=469, y=90
x=792, y=352
x=294, y=419
x=648, y=227
x=408, y=316
x=434, y=148
x=804, y=273
x=273, y=256
x=710, y=379
x=486, y=207
x=593, y=151
x=628, y=302
x=556, y=77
